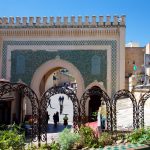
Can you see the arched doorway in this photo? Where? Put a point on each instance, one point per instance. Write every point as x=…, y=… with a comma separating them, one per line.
x=124, y=95
x=94, y=99
x=52, y=64
x=95, y=92
x=143, y=108
x=31, y=96
x=58, y=77
x=94, y=103
x=46, y=102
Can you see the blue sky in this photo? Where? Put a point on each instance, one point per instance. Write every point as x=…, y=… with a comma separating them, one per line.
x=137, y=12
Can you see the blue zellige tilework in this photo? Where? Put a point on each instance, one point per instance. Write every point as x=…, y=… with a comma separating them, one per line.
x=112, y=43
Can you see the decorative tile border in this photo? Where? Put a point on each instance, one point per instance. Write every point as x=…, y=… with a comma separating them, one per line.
x=112, y=43
x=129, y=146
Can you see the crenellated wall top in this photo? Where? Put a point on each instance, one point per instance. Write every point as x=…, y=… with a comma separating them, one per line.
x=57, y=22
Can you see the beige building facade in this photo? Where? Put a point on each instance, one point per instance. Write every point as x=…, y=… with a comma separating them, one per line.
x=133, y=56
x=92, y=51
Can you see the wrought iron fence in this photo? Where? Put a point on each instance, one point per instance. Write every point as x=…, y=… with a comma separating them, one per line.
x=40, y=105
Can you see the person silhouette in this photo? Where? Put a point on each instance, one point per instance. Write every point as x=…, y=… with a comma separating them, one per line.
x=47, y=117
x=65, y=120
x=56, y=118
x=103, y=114
x=61, y=100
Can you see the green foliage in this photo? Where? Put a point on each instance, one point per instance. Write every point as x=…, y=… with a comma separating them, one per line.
x=105, y=139
x=3, y=127
x=119, y=136
x=67, y=139
x=12, y=138
x=54, y=146
x=94, y=116
x=31, y=147
x=139, y=136
x=88, y=137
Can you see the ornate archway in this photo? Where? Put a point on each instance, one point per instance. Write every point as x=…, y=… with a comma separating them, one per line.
x=102, y=94
x=47, y=66
x=127, y=94
x=141, y=104
x=96, y=83
x=46, y=101
x=28, y=92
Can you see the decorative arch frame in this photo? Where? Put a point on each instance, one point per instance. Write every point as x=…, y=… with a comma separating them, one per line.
x=92, y=91
x=119, y=94
x=8, y=87
x=44, y=68
x=45, y=102
x=141, y=104
x=96, y=83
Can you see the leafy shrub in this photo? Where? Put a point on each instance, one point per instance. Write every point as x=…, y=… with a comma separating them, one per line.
x=31, y=147
x=54, y=146
x=139, y=136
x=94, y=116
x=105, y=139
x=67, y=139
x=119, y=136
x=51, y=146
x=88, y=137
x=12, y=138
x=3, y=127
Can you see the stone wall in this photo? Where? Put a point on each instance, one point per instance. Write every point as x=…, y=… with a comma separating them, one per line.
x=133, y=55
x=61, y=33
x=62, y=21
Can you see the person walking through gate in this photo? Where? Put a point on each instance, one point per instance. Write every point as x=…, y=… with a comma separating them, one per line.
x=56, y=118
x=103, y=115
x=65, y=120
x=99, y=128
x=61, y=100
x=47, y=117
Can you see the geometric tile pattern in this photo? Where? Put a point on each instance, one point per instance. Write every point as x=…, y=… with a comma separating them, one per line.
x=35, y=58
x=126, y=147
x=112, y=43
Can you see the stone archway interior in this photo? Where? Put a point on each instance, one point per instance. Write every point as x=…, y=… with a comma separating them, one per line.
x=94, y=103
x=52, y=65
x=63, y=78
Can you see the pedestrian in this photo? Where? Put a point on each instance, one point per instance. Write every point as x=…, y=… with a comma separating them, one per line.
x=65, y=120
x=55, y=120
x=57, y=116
x=47, y=117
x=103, y=115
x=99, y=128
x=61, y=100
